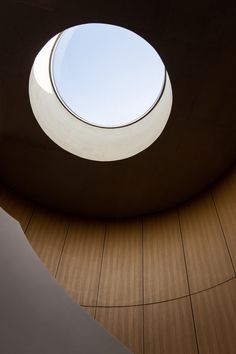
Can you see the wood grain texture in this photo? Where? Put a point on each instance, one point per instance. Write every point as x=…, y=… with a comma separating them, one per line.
x=80, y=264
x=169, y=329
x=125, y=323
x=121, y=275
x=207, y=257
x=46, y=233
x=215, y=318
x=163, y=259
x=18, y=207
x=224, y=195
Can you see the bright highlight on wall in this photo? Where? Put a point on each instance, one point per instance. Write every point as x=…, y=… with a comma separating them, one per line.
x=100, y=92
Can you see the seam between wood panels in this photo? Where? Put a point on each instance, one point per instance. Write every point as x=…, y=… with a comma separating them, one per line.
x=29, y=221
x=213, y=286
x=222, y=230
x=100, y=273
x=62, y=249
x=162, y=301
x=190, y=298
x=131, y=305
x=137, y=305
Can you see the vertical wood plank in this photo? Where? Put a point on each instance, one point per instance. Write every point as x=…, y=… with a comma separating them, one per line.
x=224, y=195
x=207, y=257
x=18, y=207
x=121, y=275
x=125, y=323
x=46, y=233
x=168, y=328
x=80, y=264
x=215, y=318
x=163, y=258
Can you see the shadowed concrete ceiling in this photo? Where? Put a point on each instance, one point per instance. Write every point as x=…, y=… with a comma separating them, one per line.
x=196, y=41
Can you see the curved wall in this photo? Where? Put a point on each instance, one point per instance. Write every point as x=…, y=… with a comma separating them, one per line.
x=163, y=283
x=37, y=316
x=196, y=40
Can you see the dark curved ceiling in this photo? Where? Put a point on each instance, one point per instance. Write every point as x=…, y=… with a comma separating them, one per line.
x=196, y=40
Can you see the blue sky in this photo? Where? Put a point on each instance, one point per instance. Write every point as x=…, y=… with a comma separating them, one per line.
x=107, y=75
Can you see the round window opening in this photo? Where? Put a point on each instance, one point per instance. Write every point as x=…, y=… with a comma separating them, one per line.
x=96, y=76
x=106, y=75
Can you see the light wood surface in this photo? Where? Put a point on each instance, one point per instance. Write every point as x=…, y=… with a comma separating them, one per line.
x=47, y=233
x=121, y=274
x=160, y=264
x=207, y=257
x=215, y=318
x=80, y=265
x=163, y=259
x=18, y=207
x=169, y=329
x=125, y=323
x=224, y=195
x=106, y=265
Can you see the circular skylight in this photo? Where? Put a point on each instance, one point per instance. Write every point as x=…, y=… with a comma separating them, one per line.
x=106, y=75
x=97, y=76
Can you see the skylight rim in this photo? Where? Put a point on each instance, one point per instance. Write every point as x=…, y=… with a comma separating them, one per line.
x=64, y=104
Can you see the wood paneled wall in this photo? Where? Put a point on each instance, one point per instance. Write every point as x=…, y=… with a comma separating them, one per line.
x=207, y=258
x=169, y=328
x=164, y=273
x=215, y=318
x=162, y=284
x=121, y=271
x=47, y=233
x=80, y=264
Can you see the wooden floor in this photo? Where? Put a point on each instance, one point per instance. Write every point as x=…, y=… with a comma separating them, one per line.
x=162, y=284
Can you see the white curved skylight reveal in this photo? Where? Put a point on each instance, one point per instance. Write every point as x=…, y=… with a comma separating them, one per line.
x=106, y=75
